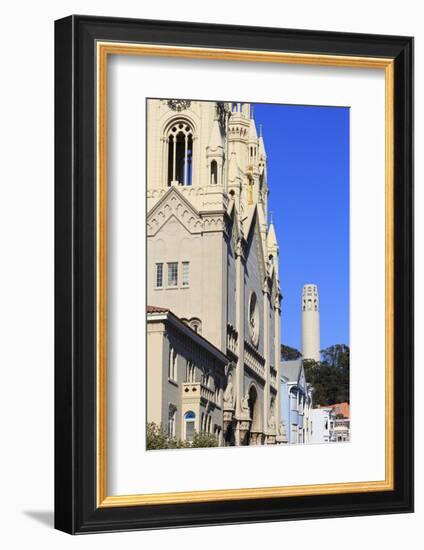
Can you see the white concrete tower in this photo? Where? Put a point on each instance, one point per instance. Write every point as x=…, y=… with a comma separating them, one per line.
x=310, y=323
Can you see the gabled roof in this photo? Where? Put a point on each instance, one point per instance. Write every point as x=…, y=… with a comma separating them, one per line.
x=251, y=212
x=252, y=224
x=291, y=369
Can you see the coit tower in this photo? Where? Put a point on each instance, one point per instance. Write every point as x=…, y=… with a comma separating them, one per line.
x=310, y=323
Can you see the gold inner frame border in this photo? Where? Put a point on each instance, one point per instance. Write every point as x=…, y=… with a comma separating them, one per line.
x=103, y=50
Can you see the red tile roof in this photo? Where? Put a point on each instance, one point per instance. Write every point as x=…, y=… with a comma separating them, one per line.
x=339, y=408
x=156, y=309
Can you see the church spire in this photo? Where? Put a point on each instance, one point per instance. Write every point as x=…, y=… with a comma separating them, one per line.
x=215, y=138
x=272, y=246
x=215, y=152
x=253, y=136
x=262, y=152
x=272, y=237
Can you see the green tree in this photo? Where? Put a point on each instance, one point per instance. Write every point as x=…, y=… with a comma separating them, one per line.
x=158, y=438
x=337, y=356
x=204, y=439
x=288, y=353
x=329, y=377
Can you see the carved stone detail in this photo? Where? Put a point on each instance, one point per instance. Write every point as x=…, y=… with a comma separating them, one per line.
x=173, y=205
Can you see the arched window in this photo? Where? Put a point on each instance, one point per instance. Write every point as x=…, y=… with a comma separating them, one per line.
x=180, y=154
x=171, y=420
x=214, y=172
x=189, y=419
x=191, y=372
x=204, y=379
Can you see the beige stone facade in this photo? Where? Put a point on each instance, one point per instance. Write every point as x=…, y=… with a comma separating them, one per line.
x=213, y=262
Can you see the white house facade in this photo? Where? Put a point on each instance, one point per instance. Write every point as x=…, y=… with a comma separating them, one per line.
x=323, y=425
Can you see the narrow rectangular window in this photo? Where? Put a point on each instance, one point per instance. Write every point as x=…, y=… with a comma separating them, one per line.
x=172, y=274
x=189, y=430
x=172, y=364
x=186, y=273
x=159, y=275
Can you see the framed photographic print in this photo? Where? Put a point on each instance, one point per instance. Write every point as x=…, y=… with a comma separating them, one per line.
x=234, y=274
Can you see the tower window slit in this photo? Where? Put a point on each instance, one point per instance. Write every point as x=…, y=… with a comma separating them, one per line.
x=214, y=172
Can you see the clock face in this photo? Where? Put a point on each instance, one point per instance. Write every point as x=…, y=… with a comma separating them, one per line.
x=179, y=104
x=254, y=320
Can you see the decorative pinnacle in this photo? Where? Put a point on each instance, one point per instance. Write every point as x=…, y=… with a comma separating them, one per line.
x=260, y=130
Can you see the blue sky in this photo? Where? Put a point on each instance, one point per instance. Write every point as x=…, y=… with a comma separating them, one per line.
x=308, y=178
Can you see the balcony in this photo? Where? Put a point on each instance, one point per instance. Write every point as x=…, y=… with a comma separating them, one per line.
x=195, y=391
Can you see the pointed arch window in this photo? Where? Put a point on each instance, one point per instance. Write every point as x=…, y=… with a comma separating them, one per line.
x=180, y=154
x=190, y=372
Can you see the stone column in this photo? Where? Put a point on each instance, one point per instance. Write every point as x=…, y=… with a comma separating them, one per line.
x=240, y=315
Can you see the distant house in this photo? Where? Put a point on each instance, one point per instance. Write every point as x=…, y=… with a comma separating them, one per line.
x=323, y=425
x=340, y=409
x=341, y=421
x=342, y=429
x=296, y=408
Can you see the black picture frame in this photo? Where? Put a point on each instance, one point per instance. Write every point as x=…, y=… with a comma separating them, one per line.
x=76, y=508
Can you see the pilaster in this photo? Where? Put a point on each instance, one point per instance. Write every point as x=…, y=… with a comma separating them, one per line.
x=242, y=420
x=277, y=355
x=267, y=397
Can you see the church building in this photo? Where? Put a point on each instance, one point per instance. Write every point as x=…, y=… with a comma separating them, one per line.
x=213, y=292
